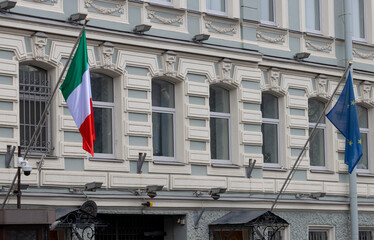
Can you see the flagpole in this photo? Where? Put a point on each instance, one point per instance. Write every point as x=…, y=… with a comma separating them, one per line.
x=311, y=135
x=45, y=111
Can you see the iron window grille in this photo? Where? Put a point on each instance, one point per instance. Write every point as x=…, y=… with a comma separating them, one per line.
x=34, y=92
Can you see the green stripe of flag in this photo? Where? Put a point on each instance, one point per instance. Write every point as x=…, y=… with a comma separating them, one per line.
x=77, y=67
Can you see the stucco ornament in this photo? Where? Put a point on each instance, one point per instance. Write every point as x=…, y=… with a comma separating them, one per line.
x=356, y=52
x=274, y=75
x=153, y=15
x=365, y=89
x=107, y=50
x=321, y=81
x=39, y=41
x=280, y=38
x=120, y=7
x=316, y=47
x=169, y=58
x=209, y=24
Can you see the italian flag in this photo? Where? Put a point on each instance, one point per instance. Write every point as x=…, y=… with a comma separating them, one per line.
x=76, y=90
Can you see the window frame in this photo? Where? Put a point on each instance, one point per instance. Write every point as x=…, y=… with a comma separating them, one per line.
x=330, y=230
x=320, y=126
x=160, y=2
x=106, y=105
x=228, y=117
x=266, y=22
x=274, y=121
x=215, y=12
x=166, y=110
x=366, y=230
x=364, y=39
x=367, y=132
x=320, y=19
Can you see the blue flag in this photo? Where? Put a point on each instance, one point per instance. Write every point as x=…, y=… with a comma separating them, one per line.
x=344, y=116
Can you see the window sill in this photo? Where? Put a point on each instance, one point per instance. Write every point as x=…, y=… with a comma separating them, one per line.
x=276, y=169
x=365, y=174
x=318, y=35
x=218, y=165
x=50, y=157
x=106, y=160
x=174, y=163
x=324, y=171
x=272, y=26
x=159, y=4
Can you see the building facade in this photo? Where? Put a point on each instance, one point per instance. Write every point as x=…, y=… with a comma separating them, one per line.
x=201, y=111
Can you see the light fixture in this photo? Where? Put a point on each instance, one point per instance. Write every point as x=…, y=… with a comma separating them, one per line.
x=92, y=186
x=6, y=5
x=215, y=192
x=301, y=56
x=151, y=190
x=76, y=17
x=200, y=37
x=142, y=28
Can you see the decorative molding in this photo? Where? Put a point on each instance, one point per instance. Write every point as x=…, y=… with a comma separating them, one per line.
x=169, y=58
x=281, y=38
x=363, y=55
x=321, y=81
x=274, y=74
x=232, y=28
x=107, y=50
x=365, y=89
x=119, y=7
x=39, y=41
x=328, y=46
x=177, y=19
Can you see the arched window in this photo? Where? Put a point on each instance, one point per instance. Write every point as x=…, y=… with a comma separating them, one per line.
x=317, y=151
x=364, y=132
x=103, y=110
x=270, y=129
x=219, y=102
x=163, y=120
x=34, y=92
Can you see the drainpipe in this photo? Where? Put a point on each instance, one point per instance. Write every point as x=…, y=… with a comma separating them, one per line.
x=348, y=22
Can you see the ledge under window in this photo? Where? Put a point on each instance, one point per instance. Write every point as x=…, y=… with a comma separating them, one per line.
x=106, y=160
x=324, y=171
x=220, y=165
x=276, y=169
x=161, y=162
x=365, y=174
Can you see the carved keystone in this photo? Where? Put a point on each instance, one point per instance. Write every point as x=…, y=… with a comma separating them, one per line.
x=106, y=52
x=169, y=58
x=39, y=41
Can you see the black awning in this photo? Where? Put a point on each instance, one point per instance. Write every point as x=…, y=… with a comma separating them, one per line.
x=245, y=219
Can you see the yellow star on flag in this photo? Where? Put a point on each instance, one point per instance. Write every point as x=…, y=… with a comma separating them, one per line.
x=353, y=102
x=359, y=141
x=350, y=143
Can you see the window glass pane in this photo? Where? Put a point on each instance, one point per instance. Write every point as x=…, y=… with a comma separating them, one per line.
x=162, y=94
x=358, y=19
x=318, y=235
x=315, y=108
x=103, y=130
x=270, y=142
x=312, y=13
x=269, y=106
x=363, y=163
x=216, y=5
x=219, y=137
x=102, y=88
x=362, y=116
x=317, y=148
x=267, y=10
x=163, y=143
x=219, y=100
x=365, y=235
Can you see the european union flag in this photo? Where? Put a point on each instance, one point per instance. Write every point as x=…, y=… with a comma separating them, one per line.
x=344, y=117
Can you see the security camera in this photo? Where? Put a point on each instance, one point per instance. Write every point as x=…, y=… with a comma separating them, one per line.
x=24, y=164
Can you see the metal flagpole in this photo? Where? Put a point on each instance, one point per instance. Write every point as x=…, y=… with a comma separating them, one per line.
x=46, y=111
x=290, y=175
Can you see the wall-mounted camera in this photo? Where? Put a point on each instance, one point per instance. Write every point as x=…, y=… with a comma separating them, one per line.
x=24, y=164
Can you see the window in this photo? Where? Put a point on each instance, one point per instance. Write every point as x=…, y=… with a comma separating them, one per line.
x=365, y=235
x=34, y=92
x=312, y=15
x=219, y=102
x=163, y=120
x=268, y=11
x=364, y=132
x=103, y=110
x=317, y=234
x=166, y=2
x=358, y=15
x=317, y=144
x=270, y=129
x=216, y=6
